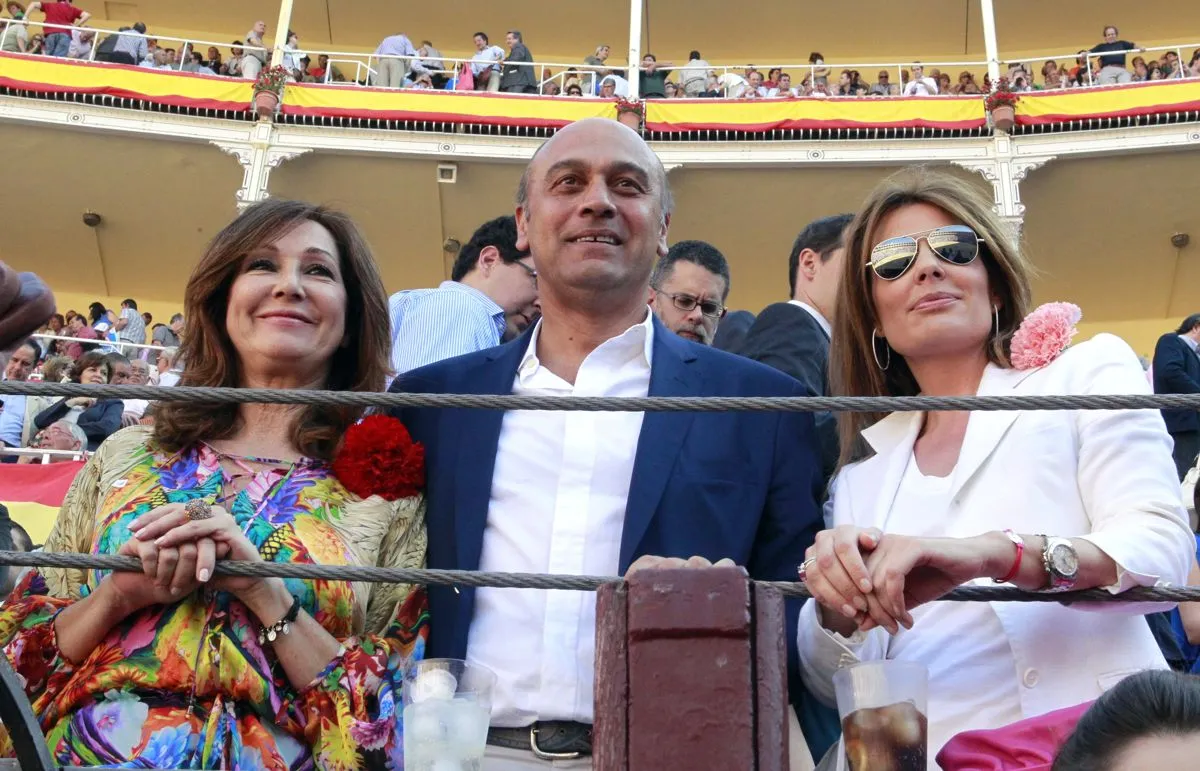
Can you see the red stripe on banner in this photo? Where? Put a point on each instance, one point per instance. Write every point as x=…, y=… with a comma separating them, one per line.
x=1152, y=109
x=36, y=483
x=171, y=101
x=433, y=117
x=813, y=124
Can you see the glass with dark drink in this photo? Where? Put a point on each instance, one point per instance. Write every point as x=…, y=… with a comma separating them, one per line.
x=882, y=705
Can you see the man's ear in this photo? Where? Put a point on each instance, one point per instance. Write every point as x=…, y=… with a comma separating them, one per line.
x=522, y=229
x=489, y=256
x=651, y=295
x=664, y=226
x=808, y=263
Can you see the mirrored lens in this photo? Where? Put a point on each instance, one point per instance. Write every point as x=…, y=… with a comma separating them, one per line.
x=891, y=258
x=957, y=244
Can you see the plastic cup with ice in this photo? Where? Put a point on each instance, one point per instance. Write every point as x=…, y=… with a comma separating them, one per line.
x=447, y=706
x=882, y=705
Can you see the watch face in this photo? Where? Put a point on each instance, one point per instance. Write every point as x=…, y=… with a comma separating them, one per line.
x=1064, y=560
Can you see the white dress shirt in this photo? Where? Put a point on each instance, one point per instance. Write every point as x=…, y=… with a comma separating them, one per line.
x=559, y=492
x=817, y=316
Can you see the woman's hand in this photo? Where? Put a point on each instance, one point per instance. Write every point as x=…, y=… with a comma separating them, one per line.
x=167, y=574
x=81, y=401
x=907, y=572
x=838, y=577
x=170, y=527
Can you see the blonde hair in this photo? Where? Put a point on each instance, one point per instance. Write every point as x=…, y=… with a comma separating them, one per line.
x=853, y=370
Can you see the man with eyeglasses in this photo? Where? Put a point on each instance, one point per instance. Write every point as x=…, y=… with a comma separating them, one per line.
x=491, y=296
x=688, y=289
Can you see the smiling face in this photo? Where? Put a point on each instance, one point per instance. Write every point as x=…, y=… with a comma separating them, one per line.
x=287, y=304
x=934, y=308
x=97, y=375
x=593, y=219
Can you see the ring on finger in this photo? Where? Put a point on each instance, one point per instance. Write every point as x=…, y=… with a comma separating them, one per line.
x=198, y=509
x=804, y=568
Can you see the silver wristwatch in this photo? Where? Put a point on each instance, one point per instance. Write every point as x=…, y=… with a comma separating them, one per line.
x=1061, y=563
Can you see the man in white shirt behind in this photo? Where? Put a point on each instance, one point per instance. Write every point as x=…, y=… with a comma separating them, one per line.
x=920, y=85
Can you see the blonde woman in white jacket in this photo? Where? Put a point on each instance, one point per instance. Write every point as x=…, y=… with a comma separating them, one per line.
x=933, y=292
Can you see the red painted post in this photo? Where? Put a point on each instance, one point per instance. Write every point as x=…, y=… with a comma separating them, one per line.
x=699, y=657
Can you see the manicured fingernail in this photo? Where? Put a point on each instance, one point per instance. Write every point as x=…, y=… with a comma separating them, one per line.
x=861, y=604
x=848, y=611
x=134, y=527
x=865, y=585
x=159, y=541
x=204, y=574
x=174, y=590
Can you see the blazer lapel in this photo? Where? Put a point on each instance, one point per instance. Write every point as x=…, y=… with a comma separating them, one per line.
x=892, y=439
x=478, y=438
x=672, y=373
x=985, y=429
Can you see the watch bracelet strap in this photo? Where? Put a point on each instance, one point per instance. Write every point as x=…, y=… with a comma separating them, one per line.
x=1051, y=586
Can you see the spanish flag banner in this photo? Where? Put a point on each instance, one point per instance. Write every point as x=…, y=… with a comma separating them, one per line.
x=33, y=493
x=757, y=115
x=178, y=89
x=470, y=107
x=1153, y=98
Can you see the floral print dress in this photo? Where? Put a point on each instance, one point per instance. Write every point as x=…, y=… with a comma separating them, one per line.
x=188, y=685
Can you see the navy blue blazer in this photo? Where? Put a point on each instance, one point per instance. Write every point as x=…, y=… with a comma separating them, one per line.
x=738, y=485
x=1176, y=370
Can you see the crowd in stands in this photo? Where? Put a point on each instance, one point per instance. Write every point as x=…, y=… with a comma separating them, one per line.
x=62, y=352
x=399, y=63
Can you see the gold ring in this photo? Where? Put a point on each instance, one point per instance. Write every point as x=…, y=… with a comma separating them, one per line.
x=804, y=568
x=197, y=509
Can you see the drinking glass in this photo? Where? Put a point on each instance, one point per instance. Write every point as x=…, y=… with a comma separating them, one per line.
x=883, y=707
x=447, y=706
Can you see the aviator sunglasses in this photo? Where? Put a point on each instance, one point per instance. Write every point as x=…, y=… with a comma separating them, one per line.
x=955, y=244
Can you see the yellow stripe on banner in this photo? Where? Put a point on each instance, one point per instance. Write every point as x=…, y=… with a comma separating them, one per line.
x=416, y=104
x=1140, y=99
x=36, y=518
x=768, y=114
x=124, y=80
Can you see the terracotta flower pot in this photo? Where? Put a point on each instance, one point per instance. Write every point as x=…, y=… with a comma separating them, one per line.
x=265, y=103
x=630, y=119
x=1004, y=118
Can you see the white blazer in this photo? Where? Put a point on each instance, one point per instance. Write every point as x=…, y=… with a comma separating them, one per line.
x=1104, y=476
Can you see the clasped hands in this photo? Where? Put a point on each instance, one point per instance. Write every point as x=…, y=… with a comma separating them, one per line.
x=179, y=555
x=875, y=580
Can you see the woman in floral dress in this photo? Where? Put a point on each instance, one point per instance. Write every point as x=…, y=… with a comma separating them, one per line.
x=175, y=668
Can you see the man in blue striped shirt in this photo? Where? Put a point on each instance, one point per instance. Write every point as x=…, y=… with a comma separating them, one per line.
x=492, y=296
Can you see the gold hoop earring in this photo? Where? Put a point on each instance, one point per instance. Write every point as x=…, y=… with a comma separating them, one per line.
x=875, y=351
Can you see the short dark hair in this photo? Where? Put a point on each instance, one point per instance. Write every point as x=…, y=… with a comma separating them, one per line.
x=129, y=301
x=35, y=345
x=482, y=35
x=86, y=362
x=517, y=34
x=822, y=236
x=500, y=233
x=699, y=253
x=693, y=56
x=1151, y=703
x=1190, y=323
x=651, y=57
x=115, y=358
x=1113, y=27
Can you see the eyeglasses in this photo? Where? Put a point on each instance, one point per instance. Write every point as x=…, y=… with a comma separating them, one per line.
x=687, y=303
x=955, y=244
x=530, y=271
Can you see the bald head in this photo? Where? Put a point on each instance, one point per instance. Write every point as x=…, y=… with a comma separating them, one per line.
x=602, y=129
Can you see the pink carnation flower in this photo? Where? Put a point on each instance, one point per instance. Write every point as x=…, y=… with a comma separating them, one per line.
x=1044, y=334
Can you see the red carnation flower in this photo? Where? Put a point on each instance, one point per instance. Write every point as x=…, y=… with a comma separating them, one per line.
x=379, y=457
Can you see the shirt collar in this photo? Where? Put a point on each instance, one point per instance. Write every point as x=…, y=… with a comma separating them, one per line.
x=494, y=310
x=1190, y=343
x=640, y=335
x=816, y=314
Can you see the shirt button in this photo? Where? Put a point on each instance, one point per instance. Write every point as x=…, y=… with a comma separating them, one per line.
x=1031, y=678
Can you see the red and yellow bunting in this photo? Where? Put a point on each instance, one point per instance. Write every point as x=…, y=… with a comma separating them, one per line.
x=756, y=115
x=178, y=89
x=1127, y=101
x=33, y=494
x=441, y=106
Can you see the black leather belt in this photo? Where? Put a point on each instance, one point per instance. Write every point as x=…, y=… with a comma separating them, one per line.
x=547, y=740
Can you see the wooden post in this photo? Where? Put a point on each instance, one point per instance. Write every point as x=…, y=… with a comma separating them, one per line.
x=691, y=672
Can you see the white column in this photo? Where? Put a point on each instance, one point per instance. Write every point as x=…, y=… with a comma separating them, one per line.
x=635, y=46
x=990, y=46
x=281, y=31
x=257, y=158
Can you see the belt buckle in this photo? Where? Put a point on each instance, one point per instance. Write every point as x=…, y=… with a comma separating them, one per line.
x=541, y=754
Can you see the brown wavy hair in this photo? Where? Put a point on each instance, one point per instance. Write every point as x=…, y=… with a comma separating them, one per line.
x=211, y=359
x=852, y=367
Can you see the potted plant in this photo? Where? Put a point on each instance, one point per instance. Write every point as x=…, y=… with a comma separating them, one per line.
x=1001, y=104
x=630, y=112
x=268, y=89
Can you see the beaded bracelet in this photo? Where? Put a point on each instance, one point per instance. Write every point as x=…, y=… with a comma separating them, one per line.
x=270, y=633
